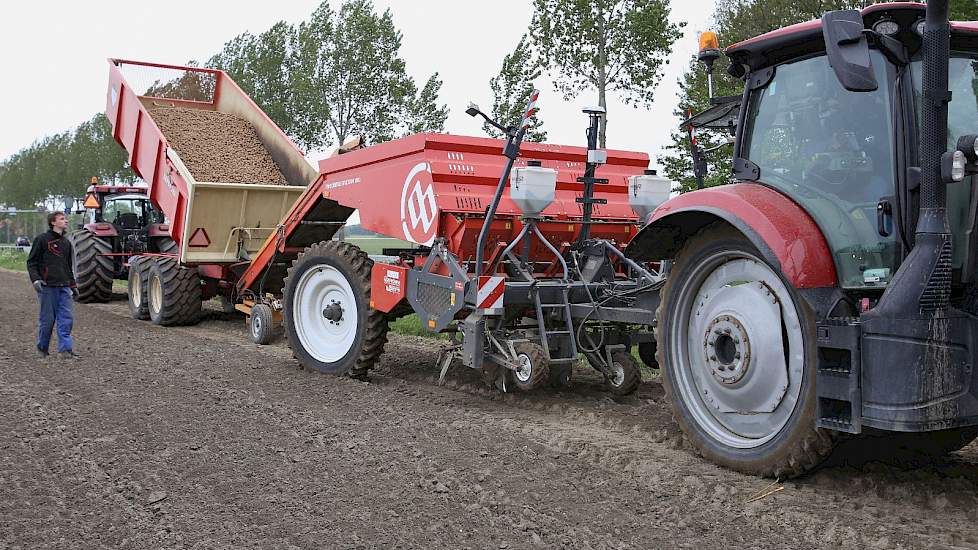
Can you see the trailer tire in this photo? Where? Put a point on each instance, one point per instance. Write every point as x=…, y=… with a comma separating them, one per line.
x=780, y=442
x=561, y=375
x=646, y=352
x=138, y=302
x=173, y=293
x=261, y=325
x=93, y=272
x=534, y=367
x=626, y=374
x=326, y=283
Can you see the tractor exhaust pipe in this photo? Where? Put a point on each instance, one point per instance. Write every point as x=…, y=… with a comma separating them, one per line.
x=922, y=285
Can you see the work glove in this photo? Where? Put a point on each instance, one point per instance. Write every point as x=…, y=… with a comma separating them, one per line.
x=74, y=293
x=38, y=285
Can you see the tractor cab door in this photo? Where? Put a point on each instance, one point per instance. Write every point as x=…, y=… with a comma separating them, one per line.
x=833, y=152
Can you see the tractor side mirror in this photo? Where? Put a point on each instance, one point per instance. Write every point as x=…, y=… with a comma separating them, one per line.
x=848, y=50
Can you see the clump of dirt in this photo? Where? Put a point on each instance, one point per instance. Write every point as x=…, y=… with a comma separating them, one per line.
x=218, y=147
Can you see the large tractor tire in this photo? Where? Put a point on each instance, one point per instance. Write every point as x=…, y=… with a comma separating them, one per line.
x=329, y=323
x=174, y=293
x=737, y=353
x=93, y=272
x=166, y=245
x=138, y=275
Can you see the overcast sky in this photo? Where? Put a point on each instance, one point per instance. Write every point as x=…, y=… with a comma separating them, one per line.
x=54, y=53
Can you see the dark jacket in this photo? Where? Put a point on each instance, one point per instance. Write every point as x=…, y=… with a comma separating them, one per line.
x=50, y=260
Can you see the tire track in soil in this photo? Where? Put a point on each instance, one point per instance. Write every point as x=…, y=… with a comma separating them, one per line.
x=635, y=437
x=573, y=469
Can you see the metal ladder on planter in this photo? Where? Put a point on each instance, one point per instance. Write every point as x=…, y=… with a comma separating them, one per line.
x=548, y=337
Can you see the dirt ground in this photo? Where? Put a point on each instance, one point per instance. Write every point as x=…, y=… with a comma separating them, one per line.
x=193, y=437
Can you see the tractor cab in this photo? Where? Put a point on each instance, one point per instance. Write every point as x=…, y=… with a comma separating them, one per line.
x=125, y=217
x=127, y=212
x=846, y=155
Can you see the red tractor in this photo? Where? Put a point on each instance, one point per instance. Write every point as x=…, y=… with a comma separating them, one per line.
x=122, y=223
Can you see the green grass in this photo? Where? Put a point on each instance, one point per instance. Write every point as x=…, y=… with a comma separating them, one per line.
x=411, y=326
x=13, y=259
x=375, y=245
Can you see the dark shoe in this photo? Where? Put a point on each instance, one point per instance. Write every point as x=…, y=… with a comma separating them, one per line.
x=41, y=354
x=68, y=355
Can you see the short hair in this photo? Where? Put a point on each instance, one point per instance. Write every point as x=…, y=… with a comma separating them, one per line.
x=53, y=216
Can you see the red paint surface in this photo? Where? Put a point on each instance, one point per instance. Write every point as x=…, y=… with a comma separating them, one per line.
x=388, y=286
x=790, y=233
x=102, y=229
x=956, y=26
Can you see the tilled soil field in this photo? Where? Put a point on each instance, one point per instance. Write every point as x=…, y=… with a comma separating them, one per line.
x=217, y=147
x=192, y=437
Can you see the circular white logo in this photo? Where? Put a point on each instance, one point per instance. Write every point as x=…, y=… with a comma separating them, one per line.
x=419, y=211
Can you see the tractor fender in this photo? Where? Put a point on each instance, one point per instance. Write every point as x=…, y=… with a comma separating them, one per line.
x=102, y=229
x=159, y=230
x=781, y=230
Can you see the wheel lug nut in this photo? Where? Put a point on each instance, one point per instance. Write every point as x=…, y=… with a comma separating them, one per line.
x=737, y=355
x=726, y=331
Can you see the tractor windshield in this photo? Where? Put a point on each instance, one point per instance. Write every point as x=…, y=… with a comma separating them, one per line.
x=831, y=151
x=962, y=119
x=130, y=212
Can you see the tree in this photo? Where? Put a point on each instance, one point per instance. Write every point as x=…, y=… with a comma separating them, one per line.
x=607, y=45
x=964, y=10
x=511, y=90
x=353, y=81
x=423, y=112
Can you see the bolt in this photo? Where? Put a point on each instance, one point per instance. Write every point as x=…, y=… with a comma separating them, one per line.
x=713, y=358
x=718, y=332
x=726, y=331
x=737, y=355
x=736, y=340
x=713, y=342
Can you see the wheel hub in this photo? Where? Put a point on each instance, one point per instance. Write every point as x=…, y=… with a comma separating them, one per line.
x=726, y=349
x=333, y=312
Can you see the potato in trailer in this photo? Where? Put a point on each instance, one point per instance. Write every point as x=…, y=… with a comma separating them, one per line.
x=223, y=174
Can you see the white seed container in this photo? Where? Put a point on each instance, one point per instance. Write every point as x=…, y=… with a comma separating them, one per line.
x=647, y=192
x=532, y=188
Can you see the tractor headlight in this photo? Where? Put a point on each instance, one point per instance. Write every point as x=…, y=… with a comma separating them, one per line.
x=952, y=166
x=969, y=146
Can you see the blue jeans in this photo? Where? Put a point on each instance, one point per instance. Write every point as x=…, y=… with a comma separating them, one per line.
x=56, y=306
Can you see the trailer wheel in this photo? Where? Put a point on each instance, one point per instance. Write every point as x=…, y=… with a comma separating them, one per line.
x=625, y=374
x=737, y=352
x=93, y=272
x=261, y=324
x=561, y=375
x=329, y=323
x=138, y=272
x=173, y=293
x=533, y=368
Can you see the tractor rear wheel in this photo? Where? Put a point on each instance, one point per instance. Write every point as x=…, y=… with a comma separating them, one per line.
x=174, y=294
x=737, y=354
x=93, y=271
x=166, y=245
x=138, y=273
x=329, y=323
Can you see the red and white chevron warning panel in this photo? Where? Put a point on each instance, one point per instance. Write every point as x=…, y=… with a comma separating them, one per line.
x=491, y=289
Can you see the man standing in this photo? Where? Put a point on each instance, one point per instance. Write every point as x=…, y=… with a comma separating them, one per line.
x=49, y=266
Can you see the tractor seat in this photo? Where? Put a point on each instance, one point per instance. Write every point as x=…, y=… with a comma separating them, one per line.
x=128, y=220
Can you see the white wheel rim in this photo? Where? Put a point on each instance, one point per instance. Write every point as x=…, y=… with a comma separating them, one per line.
x=752, y=398
x=617, y=374
x=136, y=289
x=256, y=325
x=525, y=369
x=320, y=288
x=155, y=294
